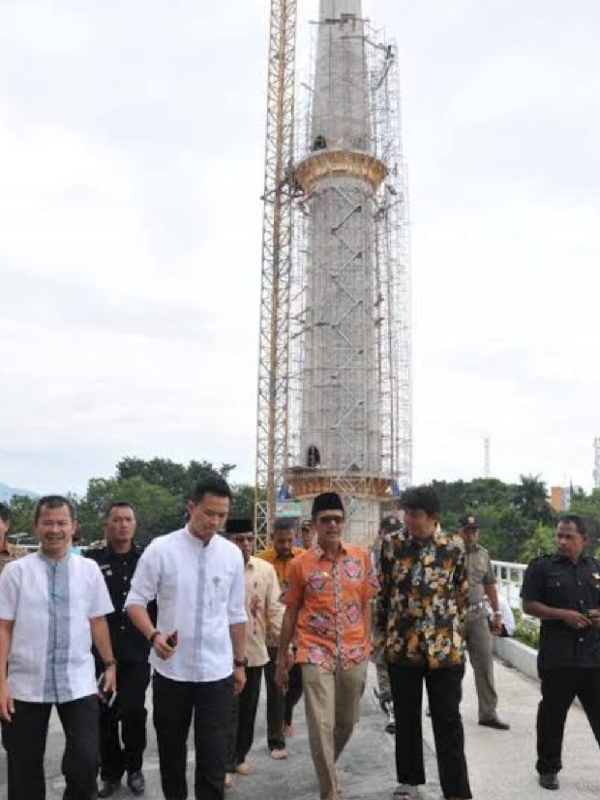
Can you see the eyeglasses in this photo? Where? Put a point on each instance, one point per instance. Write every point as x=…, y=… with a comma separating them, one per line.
x=327, y=519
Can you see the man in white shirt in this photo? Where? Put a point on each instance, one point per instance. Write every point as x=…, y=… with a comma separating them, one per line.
x=198, y=646
x=52, y=607
x=265, y=614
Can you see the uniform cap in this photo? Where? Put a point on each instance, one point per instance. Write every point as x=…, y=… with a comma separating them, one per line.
x=469, y=521
x=389, y=524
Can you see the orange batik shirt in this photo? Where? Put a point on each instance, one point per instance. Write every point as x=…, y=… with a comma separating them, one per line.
x=332, y=596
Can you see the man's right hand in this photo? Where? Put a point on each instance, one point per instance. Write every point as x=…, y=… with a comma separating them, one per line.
x=281, y=676
x=7, y=705
x=161, y=648
x=574, y=619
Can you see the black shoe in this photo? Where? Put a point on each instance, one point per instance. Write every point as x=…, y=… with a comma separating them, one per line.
x=390, y=727
x=108, y=788
x=549, y=780
x=136, y=782
x=495, y=723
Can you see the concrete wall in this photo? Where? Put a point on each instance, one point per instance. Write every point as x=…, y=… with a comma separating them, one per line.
x=518, y=655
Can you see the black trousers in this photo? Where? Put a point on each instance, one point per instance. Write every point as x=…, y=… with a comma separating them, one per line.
x=444, y=688
x=25, y=742
x=129, y=714
x=559, y=688
x=280, y=705
x=175, y=702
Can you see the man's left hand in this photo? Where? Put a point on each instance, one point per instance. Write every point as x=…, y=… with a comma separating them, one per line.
x=497, y=624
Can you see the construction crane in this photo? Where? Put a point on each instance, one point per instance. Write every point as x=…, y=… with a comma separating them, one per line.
x=277, y=238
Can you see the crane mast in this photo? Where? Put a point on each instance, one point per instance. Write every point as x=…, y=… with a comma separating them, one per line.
x=277, y=238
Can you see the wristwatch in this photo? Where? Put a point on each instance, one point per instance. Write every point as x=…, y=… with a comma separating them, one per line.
x=240, y=662
x=152, y=637
x=112, y=662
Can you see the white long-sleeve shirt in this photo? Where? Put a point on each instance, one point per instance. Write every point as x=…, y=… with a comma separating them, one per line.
x=51, y=602
x=199, y=590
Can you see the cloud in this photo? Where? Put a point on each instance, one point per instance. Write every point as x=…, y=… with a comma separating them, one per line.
x=131, y=148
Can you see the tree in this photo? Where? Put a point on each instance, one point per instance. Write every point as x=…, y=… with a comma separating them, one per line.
x=21, y=514
x=157, y=510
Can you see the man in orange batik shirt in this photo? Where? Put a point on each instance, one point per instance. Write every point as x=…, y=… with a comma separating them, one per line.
x=327, y=599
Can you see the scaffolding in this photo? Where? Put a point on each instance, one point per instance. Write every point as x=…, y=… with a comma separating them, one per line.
x=349, y=388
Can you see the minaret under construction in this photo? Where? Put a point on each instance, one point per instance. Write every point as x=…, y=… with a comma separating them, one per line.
x=340, y=411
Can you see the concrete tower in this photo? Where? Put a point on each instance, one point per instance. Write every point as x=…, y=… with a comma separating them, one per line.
x=341, y=436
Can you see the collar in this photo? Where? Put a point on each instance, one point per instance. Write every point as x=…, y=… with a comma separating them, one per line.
x=251, y=563
x=439, y=537
x=558, y=559
x=199, y=542
x=54, y=561
x=322, y=554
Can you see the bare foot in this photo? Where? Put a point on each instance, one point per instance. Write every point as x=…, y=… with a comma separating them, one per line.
x=244, y=768
x=278, y=755
x=288, y=731
x=228, y=780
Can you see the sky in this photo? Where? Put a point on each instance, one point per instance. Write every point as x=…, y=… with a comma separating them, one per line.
x=131, y=164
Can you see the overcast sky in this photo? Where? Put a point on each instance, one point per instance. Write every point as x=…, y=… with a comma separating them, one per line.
x=131, y=148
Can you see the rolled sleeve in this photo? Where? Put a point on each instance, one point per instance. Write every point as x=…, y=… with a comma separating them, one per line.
x=236, y=608
x=532, y=590
x=100, y=603
x=9, y=592
x=274, y=607
x=144, y=584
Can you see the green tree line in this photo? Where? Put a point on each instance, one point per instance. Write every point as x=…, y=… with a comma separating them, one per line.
x=517, y=521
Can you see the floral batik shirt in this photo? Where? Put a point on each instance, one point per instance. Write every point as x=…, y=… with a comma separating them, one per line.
x=423, y=600
x=333, y=597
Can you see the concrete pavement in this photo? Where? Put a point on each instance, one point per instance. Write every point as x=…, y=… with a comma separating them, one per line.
x=501, y=764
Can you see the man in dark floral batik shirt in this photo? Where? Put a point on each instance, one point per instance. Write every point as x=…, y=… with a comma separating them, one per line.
x=421, y=614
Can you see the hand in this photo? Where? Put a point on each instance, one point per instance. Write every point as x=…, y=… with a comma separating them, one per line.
x=574, y=619
x=161, y=648
x=282, y=677
x=110, y=680
x=7, y=705
x=239, y=677
x=594, y=617
x=497, y=625
x=290, y=658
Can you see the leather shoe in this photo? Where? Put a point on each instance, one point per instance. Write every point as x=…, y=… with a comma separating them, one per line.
x=108, y=788
x=495, y=723
x=136, y=782
x=549, y=780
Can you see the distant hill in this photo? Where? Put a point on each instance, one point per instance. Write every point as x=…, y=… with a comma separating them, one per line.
x=7, y=492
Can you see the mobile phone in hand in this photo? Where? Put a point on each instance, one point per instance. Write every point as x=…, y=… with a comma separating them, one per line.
x=172, y=639
x=106, y=697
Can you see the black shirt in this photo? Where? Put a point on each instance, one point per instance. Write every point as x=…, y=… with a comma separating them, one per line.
x=117, y=569
x=557, y=582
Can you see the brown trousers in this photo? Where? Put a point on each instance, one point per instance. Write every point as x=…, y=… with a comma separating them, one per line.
x=332, y=701
x=480, y=646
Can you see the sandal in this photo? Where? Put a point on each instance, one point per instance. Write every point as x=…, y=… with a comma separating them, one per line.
x=402, y=794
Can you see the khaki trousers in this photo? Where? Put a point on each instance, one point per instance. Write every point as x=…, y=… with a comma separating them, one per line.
x=332, y=701
x=480, y=646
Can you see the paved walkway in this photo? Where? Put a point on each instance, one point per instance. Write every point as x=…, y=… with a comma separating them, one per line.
x=500, y=763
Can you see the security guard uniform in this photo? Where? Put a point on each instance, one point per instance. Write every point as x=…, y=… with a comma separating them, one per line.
x=131, y=651
x=568, y=658
x=478, y=636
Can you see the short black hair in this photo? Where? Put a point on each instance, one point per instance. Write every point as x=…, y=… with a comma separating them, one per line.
x=577, y=520
x=54, y=501
x=421, y=498
x=213, y=485
x=117, y=504
x=4, y=513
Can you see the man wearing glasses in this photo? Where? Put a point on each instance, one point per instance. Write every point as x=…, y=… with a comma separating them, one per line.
x=327, y=599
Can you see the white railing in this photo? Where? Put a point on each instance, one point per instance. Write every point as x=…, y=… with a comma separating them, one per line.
x=509, y=579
